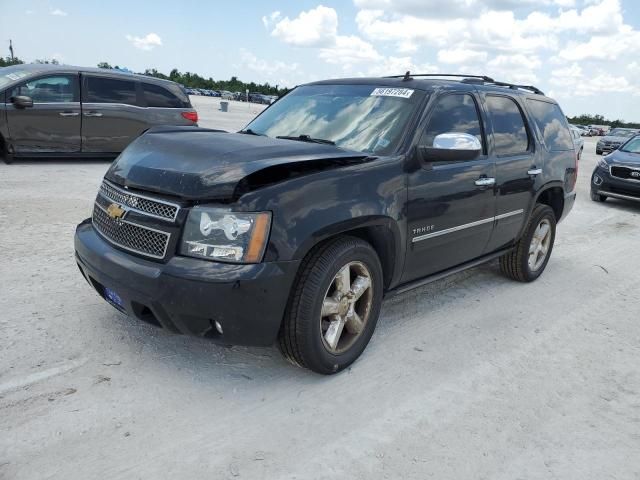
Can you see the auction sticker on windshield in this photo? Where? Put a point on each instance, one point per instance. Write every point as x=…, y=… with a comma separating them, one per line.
x=392, y=92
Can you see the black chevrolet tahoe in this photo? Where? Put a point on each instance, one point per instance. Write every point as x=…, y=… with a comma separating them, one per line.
x=295, y=228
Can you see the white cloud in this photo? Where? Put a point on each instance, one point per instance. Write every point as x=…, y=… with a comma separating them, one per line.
x=268, y=20
x=148, y=42
x=316, y=27
x=460, y=55
x=58, y=13
x=574, y=81
x=256, y=64
x=454, y=8
x=624, y=42
x=349, y=50
x=398, y=66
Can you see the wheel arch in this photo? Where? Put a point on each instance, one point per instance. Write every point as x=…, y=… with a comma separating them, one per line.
x=381, y=232
x=553, y=196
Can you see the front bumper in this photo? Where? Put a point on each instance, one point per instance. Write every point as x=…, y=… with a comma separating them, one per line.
x=603, y=183
x=187, y=295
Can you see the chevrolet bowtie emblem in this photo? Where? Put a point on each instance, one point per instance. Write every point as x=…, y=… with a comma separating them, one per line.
x=115, y=211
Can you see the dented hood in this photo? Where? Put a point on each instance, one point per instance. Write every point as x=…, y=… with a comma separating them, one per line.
x=201, y=164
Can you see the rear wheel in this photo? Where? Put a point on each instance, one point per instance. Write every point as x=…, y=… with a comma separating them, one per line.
x=596, y=197
x=529, y=258
x=334, y=306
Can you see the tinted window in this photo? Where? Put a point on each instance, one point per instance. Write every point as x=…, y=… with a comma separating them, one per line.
x=453, y=114
x=54, y=89
x=363, y=118
x=157, y=96
x=552, y=124
x=632, y=146
x=509, y=132
x=110, y=90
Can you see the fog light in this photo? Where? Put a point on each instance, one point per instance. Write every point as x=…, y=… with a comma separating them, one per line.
x=597, y=180
x=218, y=327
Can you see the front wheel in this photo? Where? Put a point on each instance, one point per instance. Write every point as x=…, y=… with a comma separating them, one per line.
x=530, y=256
x=334, y=306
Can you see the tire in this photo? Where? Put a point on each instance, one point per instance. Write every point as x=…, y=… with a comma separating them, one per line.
x=516, y=264
x=598, y=152
x=597, y=197
x=303, y=339
x=4, y=154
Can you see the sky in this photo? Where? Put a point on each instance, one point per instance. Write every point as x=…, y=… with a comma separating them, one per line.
x=584, y=53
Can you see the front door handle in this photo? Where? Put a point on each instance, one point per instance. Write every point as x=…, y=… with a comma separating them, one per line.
x=485, y=182
x=534, y=171
x=69, y=114
x=92, y=114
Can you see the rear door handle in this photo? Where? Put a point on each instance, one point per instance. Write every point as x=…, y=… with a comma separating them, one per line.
x=69, y=114
x=534, y=171
x=92, y=114
x=485, y=182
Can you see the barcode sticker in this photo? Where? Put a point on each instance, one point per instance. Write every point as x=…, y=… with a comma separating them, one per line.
x=392, y=92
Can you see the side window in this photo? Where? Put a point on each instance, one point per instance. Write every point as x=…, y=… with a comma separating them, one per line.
x=54, y=89
x=157, y=96
x=510, y=135
x=552, y=124
x=110, y=90
x=455, y=113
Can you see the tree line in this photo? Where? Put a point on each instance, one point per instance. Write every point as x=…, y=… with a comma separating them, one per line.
x=586, y=119
x=193, y=80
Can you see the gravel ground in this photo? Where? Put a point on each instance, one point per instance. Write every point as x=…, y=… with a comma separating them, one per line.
x=473, y=377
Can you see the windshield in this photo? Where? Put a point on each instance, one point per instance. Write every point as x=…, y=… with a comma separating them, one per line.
x=364, y=118
x=632, y=146
x=618, y=132
x=11, y=74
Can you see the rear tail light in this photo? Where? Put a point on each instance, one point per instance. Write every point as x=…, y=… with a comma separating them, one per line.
x=193, y=116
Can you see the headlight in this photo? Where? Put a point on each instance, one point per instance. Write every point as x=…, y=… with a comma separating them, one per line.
x=602, y=163
x=225, y=236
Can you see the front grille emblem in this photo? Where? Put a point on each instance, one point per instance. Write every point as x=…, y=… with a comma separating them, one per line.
x=115, y=211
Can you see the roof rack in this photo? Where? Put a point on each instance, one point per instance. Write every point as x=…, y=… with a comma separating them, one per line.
x=471, y=79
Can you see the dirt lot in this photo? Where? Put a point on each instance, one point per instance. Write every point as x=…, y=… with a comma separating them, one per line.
x=474, y=377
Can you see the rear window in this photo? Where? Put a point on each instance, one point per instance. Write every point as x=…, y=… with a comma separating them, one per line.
x=510, y=135
x=157, y=96
x=110, y=90
x=552, y=125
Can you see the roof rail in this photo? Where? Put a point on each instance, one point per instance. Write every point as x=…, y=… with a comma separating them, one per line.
x=471, y=79
x=409, y=76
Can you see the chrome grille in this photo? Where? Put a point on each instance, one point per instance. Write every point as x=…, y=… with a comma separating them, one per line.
x=141, y=203
x=130, y=236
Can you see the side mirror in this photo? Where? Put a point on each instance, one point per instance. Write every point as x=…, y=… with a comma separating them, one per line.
x=22, y=101
x=452, y=147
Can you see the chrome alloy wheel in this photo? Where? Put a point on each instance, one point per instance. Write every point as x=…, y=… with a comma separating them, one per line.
x=346, y=307
x=540, y=243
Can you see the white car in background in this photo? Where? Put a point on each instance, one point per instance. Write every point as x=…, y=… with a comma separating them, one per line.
x=578, y=141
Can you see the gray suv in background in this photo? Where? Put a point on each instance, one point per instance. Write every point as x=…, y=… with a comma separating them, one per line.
x=614, y=139
x=61, y=111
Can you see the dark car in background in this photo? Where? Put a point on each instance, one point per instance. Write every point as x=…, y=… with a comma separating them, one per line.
x=617, y=175
x=63, y=111
x=613, y=139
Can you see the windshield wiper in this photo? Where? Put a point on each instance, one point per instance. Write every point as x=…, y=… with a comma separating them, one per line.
x=248, y=131
x=307, y=138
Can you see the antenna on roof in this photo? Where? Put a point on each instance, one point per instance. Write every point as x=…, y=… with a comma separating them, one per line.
x=407, y=76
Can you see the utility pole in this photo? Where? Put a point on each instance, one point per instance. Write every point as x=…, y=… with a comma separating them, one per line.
x=11, y=49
